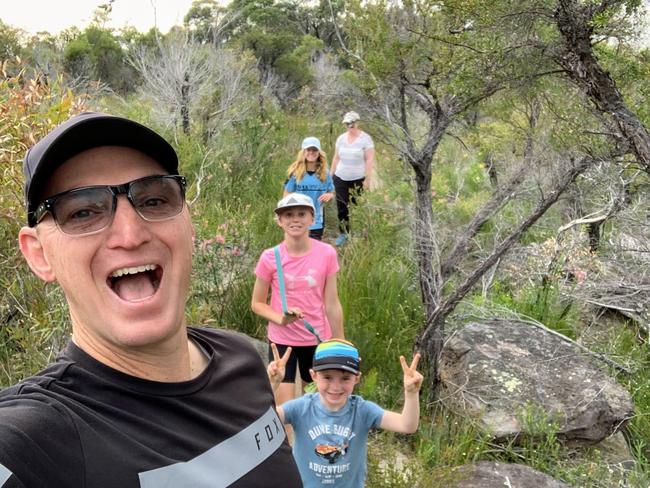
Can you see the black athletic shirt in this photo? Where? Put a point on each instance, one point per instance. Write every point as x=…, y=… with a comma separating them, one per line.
x=79, y=423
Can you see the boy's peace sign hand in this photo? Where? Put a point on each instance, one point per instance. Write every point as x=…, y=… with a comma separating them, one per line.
x=412, y=378
x=275, y=369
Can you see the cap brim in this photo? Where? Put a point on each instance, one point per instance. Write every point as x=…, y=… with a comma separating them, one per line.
x=280, y=209
x=322, y=367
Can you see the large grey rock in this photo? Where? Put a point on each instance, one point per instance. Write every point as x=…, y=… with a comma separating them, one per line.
x=488, y=474
x=499, y=370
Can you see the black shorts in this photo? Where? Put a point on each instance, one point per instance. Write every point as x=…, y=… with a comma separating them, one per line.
x=301, y=356
x=316, y=234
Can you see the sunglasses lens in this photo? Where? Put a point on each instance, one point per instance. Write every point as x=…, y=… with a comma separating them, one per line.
x=88, y=210
x=157, y=198
x=84, y=210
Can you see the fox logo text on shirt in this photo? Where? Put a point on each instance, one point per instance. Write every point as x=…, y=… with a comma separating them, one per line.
x=268, y=433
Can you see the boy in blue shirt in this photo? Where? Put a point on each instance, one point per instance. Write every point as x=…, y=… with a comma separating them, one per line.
x=331, y=426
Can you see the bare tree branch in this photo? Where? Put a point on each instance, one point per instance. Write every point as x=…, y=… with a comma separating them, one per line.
x=500, y=198
x=431, y=337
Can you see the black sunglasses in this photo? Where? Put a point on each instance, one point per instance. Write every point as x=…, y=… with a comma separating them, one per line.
x=90, y=209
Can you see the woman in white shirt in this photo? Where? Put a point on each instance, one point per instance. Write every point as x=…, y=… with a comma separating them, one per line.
x=351, y=171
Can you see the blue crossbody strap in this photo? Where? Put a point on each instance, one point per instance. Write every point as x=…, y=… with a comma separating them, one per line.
x=283, y=293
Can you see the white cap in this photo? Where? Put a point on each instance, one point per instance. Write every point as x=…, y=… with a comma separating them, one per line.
x=310, y=142
x=350, y=117
x=295, y=200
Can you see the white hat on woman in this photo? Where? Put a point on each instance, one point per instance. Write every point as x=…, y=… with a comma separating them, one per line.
x=350, y=117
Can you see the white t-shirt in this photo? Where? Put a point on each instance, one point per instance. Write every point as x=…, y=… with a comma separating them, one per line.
x=352, y=164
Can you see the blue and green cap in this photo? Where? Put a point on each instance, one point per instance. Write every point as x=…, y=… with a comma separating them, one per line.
x=337, y=354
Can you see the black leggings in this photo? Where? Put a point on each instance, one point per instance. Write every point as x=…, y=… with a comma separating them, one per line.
x=346, y=191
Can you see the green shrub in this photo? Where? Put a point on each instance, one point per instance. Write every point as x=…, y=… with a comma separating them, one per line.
x=33, y=322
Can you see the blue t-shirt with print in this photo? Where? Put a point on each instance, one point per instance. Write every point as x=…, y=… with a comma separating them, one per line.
x=331, y=448
x=313, y=187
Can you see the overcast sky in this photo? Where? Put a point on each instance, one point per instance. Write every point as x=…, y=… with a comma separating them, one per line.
x=56, y=15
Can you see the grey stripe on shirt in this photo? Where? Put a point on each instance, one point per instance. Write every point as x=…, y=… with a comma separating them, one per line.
x=226, y=462
x=4, y=475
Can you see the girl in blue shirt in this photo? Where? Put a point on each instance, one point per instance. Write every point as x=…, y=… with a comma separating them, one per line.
x=309, y=175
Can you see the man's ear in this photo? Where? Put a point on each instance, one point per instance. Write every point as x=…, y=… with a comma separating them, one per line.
x=312, y=373
x=32, y=249
x=356, y=382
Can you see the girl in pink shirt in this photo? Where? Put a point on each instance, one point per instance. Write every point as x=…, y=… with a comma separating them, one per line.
x=309, y=268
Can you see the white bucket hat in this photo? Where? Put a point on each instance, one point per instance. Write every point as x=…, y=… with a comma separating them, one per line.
x=295, y=200
x=350, y=117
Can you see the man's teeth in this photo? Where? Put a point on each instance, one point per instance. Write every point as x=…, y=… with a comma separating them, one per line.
x=136, y=269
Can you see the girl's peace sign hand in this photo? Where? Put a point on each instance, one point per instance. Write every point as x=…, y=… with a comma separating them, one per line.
x=275, y=369
x=412, y=378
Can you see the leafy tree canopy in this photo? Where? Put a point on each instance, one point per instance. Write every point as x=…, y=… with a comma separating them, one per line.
x=202, y=19
x=10, y=41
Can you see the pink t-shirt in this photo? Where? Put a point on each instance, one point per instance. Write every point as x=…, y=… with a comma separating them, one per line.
x=304, y=282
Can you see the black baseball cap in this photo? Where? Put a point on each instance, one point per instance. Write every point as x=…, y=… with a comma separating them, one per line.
x=80, y=133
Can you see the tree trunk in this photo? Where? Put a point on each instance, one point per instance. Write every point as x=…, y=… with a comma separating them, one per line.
x=593, y=231
x=575, y=23
x=491, y=168
x=185, y=104
x=423, y=233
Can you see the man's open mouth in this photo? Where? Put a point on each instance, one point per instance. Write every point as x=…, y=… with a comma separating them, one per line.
x=136, y=283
